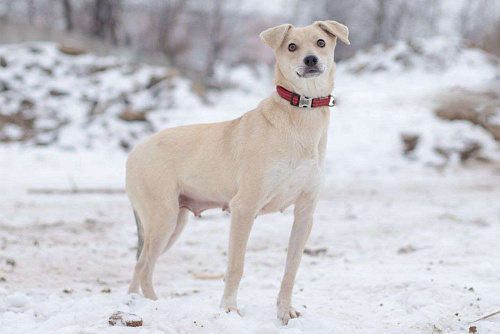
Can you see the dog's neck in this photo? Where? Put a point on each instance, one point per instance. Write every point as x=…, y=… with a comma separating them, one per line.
x=309, y=123
x=312, y=87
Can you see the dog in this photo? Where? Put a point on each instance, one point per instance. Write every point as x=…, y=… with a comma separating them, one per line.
x=263, y=162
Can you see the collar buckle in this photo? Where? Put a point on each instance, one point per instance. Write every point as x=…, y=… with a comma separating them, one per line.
x=332, y=102
x=305, y=102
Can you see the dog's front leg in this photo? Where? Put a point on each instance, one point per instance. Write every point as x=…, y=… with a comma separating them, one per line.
x=303, y=221
x=241, y=223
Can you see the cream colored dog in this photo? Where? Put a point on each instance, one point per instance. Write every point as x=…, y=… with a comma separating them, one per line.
x=263, y=162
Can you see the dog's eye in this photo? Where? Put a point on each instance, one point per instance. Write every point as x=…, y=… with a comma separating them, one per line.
x=292, y=47
x=321, y=43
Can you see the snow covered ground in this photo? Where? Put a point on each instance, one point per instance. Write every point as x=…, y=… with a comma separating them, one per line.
x=404, y=246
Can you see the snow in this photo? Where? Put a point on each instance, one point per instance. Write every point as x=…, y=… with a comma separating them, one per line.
x=13, y=131
x=496, y=119
x=410, y=247
x=76, y=99
x=17, y=299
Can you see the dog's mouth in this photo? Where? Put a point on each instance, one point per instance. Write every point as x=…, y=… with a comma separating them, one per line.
x=309, y=72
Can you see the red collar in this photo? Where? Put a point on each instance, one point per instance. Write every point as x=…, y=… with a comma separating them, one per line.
x=303, y=101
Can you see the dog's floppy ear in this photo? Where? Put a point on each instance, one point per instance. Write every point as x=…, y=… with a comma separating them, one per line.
x=336, y=29
x=274, y=37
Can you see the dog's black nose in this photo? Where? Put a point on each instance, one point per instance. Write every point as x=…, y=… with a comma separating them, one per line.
x=310, y=60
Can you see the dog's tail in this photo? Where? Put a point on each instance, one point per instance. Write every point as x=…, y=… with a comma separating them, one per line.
x=140, y=234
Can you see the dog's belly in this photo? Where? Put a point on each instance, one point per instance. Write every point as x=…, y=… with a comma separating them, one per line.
x=288, y=181
x=197, y=206
x=307, y=176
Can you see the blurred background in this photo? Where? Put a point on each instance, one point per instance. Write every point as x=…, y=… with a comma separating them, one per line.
x=196, y=35
x=210, y=44
x=406, y=231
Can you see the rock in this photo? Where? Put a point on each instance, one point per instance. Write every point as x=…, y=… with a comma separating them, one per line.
x=470, y=151
x=315, y=252
x=479, y=108
x=410, y=142
x=35, y=49
x=154, y=81
x=26, y=104
x=444, y=152
x=494, y=129
x=4, y=86
x=457, y=110
x=465, y=151
x=157, y=79
x=407, y=249
x=133, y=116
x=125, y=319
x=72, y=50
x=47, y=70
x=3, y=62
x=97, y=69
x=124, y=145
x=23, y=120
x=199, y=90
x=56, y=92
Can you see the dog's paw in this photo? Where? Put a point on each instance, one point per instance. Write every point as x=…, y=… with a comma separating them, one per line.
x=233, y=309
x=229, y=306
x=287, y=313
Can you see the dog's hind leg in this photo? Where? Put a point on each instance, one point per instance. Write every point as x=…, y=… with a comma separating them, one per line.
x=159, y=225
x=134, y=286
x=182, y=220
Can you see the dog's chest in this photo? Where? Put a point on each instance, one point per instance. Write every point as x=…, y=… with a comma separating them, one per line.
x=303, y=175
x=289, y=179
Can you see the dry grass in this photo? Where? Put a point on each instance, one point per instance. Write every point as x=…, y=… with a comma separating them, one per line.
x=486, y=317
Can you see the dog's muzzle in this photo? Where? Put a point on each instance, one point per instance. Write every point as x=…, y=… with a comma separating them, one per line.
x=312, y=67
x=310, y=72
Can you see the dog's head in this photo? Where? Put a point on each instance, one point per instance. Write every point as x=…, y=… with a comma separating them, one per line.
x=305, y=55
